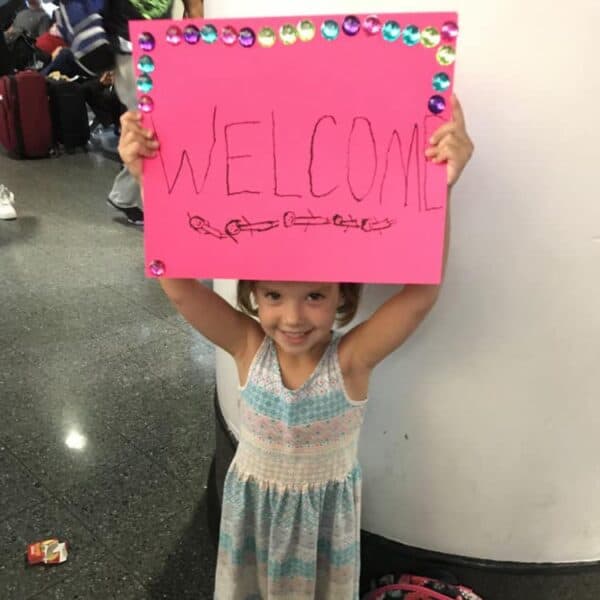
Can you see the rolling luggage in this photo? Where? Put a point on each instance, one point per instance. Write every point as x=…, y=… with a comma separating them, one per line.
x=69, y=114
x=25, y=126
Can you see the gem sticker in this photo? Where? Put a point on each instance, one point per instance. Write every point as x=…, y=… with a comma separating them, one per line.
x=209, y=34
x=445, y=55
x=229, y=35
x=146, y=41
x=145, y=104
x=306, y=30
x=174, y=35
x=266, y=37
x=391, y=31
x=191, y=34
x=145, y=64
x=330, y=30
x=157, y=268
x=441, y=82
x=430, y=37
x=144, y=83
x=372, y=25
x=411, y=35
x=351, y=25
x=449, y=31
x=247, y=37
x=288, y=34
x=436, y=104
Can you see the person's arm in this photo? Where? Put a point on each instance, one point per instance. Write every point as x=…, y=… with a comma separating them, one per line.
x=371, y=341
x=211, y=315
x=193, y=8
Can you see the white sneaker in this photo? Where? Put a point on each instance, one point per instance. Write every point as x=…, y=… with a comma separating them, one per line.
x=7, y=209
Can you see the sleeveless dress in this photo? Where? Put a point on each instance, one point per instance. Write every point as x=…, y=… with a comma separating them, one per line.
x=290, y=522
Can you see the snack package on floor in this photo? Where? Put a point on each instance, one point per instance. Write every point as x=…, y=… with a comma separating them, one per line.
x=47, y=552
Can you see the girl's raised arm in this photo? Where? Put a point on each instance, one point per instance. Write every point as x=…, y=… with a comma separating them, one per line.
x=211, y=315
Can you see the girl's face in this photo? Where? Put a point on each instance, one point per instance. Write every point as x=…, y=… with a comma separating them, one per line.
x=297, y=316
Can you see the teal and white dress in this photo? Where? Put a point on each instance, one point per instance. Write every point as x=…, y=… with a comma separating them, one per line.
x=290, y=523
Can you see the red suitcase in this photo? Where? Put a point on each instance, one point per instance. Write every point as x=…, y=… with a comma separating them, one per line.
x=25, y=124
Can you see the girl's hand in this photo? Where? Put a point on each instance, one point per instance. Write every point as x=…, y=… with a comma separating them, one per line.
x=135, y=143
x=451, y=144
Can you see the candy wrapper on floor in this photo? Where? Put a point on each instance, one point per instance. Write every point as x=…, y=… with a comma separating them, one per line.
x=47, y=552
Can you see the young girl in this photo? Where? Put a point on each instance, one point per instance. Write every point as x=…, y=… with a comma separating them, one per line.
x=290, y=525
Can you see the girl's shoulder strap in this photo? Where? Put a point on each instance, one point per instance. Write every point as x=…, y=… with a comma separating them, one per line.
x=263, y=353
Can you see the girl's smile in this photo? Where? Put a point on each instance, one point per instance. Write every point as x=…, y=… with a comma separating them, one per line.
x=297, y=315
x=296, y=337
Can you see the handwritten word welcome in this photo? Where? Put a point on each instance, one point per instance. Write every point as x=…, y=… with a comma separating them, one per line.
x=382, y=167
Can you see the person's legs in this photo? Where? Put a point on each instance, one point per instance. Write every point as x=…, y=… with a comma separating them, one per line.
x=125, y=193
x=125, y=196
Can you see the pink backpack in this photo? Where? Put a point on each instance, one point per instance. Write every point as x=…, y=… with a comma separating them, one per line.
x=413, y=587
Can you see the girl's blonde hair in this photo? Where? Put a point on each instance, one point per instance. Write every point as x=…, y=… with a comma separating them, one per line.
x=345, y=313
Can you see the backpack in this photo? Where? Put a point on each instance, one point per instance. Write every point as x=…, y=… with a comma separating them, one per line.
x=414, y=587
x=81, y=24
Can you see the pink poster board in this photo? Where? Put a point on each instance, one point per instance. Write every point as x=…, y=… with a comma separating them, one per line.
x=293, y=148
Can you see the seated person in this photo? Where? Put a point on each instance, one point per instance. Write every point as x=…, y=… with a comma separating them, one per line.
x=31, y=21
x=49, y=41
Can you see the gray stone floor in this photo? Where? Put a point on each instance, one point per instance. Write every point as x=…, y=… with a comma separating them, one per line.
x=90, y=348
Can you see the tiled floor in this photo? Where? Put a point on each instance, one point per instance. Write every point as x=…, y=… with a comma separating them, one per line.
x=91, y=351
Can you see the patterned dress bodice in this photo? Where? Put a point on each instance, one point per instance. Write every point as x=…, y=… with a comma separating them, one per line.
x=298, y=437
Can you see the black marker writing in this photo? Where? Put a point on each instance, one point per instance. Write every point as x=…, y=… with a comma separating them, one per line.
x=236, y=226
x=312, y=158
x=231, y=157
x=348, y=223
x=203, y=226
x=356, y=196
x=275, y=180
x=291, y=220
x=414, y=143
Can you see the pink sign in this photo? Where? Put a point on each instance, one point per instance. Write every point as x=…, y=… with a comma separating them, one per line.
x=293, y=148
